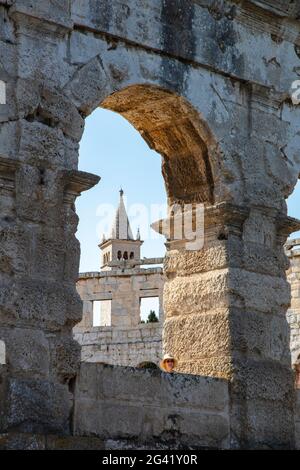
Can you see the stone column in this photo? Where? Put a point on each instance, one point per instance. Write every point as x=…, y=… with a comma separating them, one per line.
x=39, y=254
x=225, y=316
x=39, y=304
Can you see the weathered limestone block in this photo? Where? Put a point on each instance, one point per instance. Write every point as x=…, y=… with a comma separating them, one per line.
x=27, y=352
x=263, y=259
x=41, y=41
x=48, y=11
x=58, y=306
x=221, y=289
x=64, y=357
x=194, y=336
x=15, y=245
x=251, y=333
x=9, y=138
x=122, y=403
x=85, y=94
x=260, y=336
x=43, y=187
x=37, y=406
x=8, y=49
x=189, y=262
x=270, y=419
x=44, y=145
x=61, y=112
x=199, y=293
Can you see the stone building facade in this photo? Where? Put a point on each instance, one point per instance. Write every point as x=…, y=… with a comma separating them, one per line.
x=118, y=289
x=293, y=314
x=209, y=86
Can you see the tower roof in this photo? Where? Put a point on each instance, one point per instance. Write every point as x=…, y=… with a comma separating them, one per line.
x=121, y=229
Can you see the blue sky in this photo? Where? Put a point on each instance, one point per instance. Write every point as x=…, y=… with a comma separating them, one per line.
x=113, y=149
x=294, y=205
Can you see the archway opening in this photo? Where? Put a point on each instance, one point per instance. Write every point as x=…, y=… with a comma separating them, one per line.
x=294, y=206
x=171, y=128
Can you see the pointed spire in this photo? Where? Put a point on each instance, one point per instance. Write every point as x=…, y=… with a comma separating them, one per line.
x=138, y=234
x=121, y=228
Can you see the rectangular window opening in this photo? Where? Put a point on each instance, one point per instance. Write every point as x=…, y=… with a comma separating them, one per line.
x=149, y=309
x=102, y=313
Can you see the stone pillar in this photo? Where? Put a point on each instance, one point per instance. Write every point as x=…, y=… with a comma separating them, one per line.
x=39, y=254
x=39, y=304
x=293, y=314
x=225, y=316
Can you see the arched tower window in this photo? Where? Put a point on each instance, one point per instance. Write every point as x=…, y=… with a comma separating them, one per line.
x=147, y=365
x=131, y=255
x=119, y=256
x=125, y=255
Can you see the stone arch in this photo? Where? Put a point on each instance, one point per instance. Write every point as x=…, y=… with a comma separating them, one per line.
x=164, y=113
x=170, y=125
x=103, y=72
x=238, y=279
x=203, y=126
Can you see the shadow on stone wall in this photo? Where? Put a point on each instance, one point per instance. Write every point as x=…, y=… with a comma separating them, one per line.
x=297, y=420
x=140, y=408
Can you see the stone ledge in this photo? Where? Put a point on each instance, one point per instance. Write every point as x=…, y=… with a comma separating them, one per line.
x=120, y=272
x=57, y=13
x=24, y=441
x=281, y=8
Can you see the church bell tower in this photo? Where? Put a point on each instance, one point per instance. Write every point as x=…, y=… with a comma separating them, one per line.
x=120, y=248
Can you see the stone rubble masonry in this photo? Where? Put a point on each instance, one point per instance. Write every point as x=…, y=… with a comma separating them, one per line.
x=208, y=87
x=123, y=346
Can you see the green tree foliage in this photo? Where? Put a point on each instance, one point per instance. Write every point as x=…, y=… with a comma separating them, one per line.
x=152, y=318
